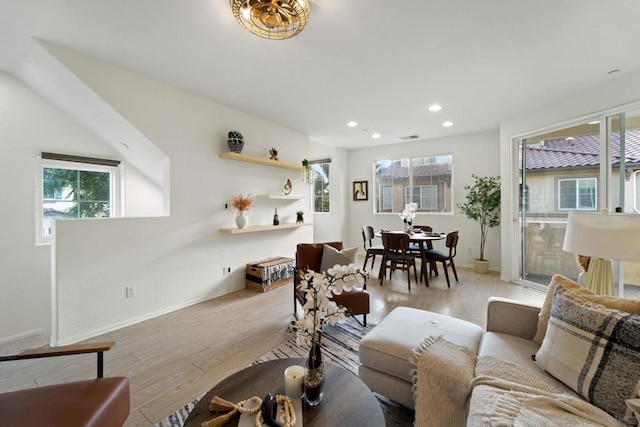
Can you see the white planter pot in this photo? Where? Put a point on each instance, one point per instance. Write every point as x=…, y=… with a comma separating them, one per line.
x=480, y=266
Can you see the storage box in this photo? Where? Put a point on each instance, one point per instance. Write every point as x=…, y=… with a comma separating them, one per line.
x=269, y=273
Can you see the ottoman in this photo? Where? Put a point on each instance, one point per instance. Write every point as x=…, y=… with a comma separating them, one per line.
x=386, y=351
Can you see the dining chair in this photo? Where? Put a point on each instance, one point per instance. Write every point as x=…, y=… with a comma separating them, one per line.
x=397, y=256
x=414, y=247
x=445, y=257
x=368, y=234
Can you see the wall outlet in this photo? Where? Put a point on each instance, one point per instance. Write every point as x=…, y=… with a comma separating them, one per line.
x=131, y=291
x=226, y=270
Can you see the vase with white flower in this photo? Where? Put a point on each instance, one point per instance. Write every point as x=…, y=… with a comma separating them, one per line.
x=408, y=214
x=320, y=310
x=242, y=204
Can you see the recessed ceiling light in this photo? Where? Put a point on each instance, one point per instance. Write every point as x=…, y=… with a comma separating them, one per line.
x=352, y=124
x=595, y=122
x=375, y=136
x=570, y=138
x=435, y=107
x=447, y=124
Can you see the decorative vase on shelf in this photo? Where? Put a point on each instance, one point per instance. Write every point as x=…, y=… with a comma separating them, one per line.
x=314, y=374
x=235, y=141
x=242, y=219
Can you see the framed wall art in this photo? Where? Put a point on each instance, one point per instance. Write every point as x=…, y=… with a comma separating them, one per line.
x=360, y=190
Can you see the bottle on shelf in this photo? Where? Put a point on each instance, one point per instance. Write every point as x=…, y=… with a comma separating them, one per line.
x=276, y=221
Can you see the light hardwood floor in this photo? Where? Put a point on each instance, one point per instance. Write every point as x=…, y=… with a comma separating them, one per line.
x=175, y=357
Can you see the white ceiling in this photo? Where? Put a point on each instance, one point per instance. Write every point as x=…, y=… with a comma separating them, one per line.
x=380, y=63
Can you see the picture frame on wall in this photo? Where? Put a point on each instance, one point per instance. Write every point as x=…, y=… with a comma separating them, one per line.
x=360, y=190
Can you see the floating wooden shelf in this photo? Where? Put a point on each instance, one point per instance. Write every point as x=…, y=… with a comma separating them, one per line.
x=257, y=228
x=279, y=197
x=260, y=161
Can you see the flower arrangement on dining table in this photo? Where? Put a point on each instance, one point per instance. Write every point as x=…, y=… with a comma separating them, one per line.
x=408, y=214
x=319, y=310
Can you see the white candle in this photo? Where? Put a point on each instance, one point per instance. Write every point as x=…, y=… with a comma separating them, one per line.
x=293, y=377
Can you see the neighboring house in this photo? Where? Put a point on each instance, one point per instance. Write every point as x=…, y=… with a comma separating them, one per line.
x=562, y=174
x=427, y=182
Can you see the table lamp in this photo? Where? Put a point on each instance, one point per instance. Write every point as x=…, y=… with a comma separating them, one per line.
x=603, y=236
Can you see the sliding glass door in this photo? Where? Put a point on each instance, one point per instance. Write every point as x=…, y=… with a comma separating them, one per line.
x=589, y=166
x=559, y=172
x=623, y=137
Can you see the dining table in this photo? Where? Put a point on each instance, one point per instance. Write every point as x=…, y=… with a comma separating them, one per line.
x=420, y=238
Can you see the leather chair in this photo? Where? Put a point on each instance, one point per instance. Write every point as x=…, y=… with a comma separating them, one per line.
x=445, y=257
x=368, y=234
x=309, y=256
x=99, y=402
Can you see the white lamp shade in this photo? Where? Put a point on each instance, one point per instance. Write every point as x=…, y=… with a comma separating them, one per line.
x=603, y=235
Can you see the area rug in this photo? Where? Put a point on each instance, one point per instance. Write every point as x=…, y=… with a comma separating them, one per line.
x=339, y=346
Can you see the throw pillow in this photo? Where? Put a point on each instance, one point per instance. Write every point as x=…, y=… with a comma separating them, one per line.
x=332, y=256
x=628, y=305
x=594, y=350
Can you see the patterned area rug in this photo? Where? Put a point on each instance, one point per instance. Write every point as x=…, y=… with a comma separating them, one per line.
x=339, y=346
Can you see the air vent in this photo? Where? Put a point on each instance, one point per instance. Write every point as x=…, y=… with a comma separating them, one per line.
x=410, y=137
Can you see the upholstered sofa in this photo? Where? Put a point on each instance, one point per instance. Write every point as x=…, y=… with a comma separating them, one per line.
x=574, y=360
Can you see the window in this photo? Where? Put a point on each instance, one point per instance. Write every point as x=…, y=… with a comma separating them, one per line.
x=387, y=198
x=71, y=189
x=320, y=187
x=426, y=196
x=425, y=180
x=577, y=194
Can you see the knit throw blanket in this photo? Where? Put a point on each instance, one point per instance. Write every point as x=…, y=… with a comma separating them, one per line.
x=504, y=394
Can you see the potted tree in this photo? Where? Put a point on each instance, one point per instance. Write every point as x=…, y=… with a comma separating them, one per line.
x=483, y=205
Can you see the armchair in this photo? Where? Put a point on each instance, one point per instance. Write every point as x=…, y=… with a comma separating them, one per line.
x=100, y=402
x=309, y=256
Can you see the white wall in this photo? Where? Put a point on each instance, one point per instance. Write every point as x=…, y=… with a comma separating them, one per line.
x=611, y=96
x=178, y=260
x=472, y=154
x=28, y=126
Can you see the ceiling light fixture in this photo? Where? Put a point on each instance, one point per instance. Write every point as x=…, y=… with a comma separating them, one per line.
x=447, y=124
x=352, y=124
x=271, y=19
x=435, y=107
x=376, y=136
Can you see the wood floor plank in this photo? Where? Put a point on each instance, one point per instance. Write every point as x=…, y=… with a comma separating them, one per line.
x=173, y=358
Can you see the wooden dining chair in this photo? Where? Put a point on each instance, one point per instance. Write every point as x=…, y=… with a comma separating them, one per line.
x=414, y=247
x=368, y=234
x=397, y=256
x=445, y=257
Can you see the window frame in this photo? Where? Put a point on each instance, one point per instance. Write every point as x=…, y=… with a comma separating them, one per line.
x=421, y=196
x=313, y=197
x=114, y=190
x=576, y=206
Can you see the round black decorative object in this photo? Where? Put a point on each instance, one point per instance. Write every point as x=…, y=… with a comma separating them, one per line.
x=235, y=141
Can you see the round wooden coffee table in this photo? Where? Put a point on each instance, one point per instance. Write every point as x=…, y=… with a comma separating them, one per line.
x=347, y=400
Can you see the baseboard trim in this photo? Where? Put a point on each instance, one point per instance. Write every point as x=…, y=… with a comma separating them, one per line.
x=134, y=320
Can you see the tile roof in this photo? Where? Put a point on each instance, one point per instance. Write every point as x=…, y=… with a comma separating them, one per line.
x=397, y=171
x=580, y=152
